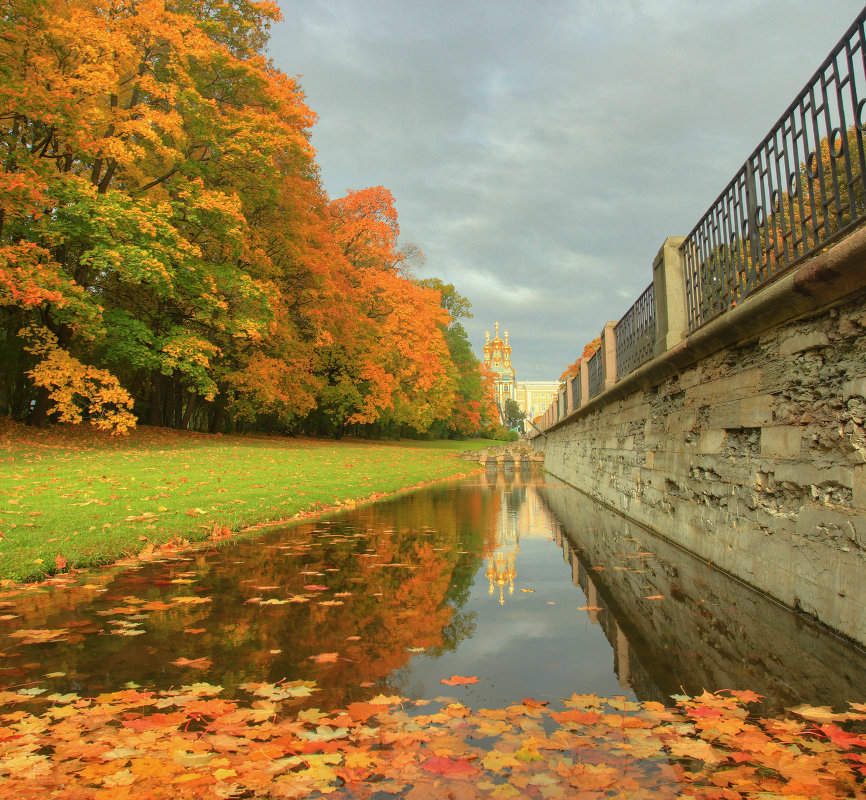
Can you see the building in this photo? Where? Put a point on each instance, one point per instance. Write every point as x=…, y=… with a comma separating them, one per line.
x=532, y=397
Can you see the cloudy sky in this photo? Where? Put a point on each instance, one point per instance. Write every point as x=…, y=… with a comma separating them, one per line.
x=540, y=152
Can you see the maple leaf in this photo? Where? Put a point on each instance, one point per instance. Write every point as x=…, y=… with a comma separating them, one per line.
x=744, y=695
x=39, y=636
x=325, y=658
x=194, y=663
x=696, y=748
x=824, y=713
x=457, y=680
x=450, y=767
x=840, y=737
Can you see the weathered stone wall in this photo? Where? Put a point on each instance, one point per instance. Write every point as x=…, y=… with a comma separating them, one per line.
x=753, y=458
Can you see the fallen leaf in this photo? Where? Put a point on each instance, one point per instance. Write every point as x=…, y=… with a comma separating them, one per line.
x=194, y=663
x=325, y=658
x=457, y=680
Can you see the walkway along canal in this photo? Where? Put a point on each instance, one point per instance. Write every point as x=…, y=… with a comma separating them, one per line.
x=524, y=583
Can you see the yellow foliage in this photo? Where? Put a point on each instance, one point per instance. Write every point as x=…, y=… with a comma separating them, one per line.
x=73, y=385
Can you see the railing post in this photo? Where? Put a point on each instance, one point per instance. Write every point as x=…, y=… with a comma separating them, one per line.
x=584, y=381
x=753, y=230
x=669, y=288
x=608, y=356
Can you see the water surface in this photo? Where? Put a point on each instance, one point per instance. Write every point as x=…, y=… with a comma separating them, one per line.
x=506, y=576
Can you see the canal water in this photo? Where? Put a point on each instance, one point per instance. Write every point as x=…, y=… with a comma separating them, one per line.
x=508, y=577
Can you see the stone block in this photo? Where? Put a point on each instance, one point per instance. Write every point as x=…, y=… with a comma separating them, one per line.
x=781, y=441
x=756, y=412
x=854, y=388
x=729, y=387
x=804, y=474
x=820, y=522
x=799, y=342
x=724, y=415
x=711, y=442
x=858, y=484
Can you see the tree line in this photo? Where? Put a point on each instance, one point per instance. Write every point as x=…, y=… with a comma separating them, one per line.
x=168, y=254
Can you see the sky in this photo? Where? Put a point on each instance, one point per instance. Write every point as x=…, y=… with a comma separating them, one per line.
x=539, y=153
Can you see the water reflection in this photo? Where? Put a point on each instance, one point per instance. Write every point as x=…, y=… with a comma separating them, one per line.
x=678, y=625
x=459, y=579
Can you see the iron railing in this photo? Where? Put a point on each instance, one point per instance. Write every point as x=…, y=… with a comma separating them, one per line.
x=575, y=391
x=635, y=334
x=801, y=188
x=594, y=374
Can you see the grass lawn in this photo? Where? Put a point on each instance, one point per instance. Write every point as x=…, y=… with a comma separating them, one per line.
x=89, y=498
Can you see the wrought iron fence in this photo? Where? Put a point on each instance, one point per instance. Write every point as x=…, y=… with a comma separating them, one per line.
x=801, y=188
x=575, y=391
x=635, y=334
x=594, y=374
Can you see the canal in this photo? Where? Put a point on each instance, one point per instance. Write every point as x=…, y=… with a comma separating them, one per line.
x=507, y=577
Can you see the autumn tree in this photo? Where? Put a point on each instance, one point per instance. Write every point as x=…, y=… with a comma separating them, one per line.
x=465, y=418
x=167, y=252
x=133, y=138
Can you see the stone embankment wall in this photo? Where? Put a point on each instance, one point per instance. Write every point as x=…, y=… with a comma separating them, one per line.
x=746, y=444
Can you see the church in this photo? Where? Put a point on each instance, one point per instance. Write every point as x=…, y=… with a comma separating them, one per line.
x=532, y=397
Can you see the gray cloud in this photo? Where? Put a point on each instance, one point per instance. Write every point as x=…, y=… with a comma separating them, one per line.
x=539, y=153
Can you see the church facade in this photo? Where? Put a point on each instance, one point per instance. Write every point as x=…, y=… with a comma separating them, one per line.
x=532, y=397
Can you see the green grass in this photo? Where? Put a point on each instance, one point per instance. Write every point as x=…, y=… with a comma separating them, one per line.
x=91, y=498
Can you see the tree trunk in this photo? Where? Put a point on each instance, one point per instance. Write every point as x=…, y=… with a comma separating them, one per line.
x=219, y=412
x=38, y=416
x=190, y=407
x=155, y=410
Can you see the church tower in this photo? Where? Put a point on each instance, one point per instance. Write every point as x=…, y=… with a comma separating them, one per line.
x=497, y=357
x=532, y=397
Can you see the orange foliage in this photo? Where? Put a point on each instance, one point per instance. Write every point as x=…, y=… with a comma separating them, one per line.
x=71, y=383
x=588, y=352
x=489, y=406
